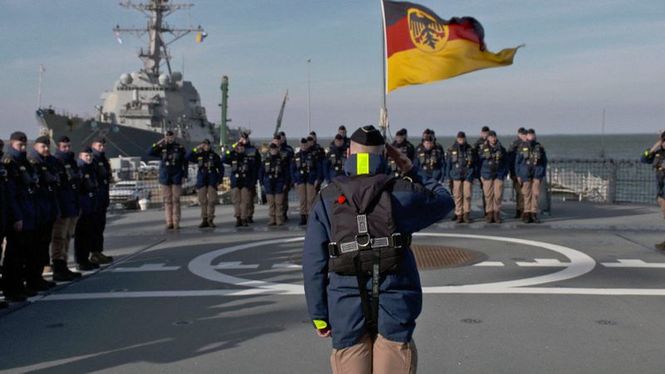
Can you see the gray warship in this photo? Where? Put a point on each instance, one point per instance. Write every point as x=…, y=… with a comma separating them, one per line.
x=144, y=104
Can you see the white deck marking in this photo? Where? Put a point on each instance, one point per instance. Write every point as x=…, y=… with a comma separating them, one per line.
x=145, y=268
x=234, y=265
x=579, y=265
x=287, y=266
x=634, y=264
x=490, y=264
x=543, y=262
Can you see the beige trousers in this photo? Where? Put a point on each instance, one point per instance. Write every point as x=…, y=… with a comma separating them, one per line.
x=275, y=208
x=379, y=357
x=493, y=190
x=171, y=196
x=63, y=232
x=462, y=196
x=531, y=193
x=519, y=198
x=252, y=191
x=207, y=200
x=307, y=194
x=241, y=197
x=661, y=203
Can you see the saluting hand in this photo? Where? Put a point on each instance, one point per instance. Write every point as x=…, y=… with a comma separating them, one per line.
x=402, y=162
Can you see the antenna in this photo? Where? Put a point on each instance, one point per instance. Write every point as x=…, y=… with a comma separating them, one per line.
x=156, y=12
x=39, y=88
x=602, y=136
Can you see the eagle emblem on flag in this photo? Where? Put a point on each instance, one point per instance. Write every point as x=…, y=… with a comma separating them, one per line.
x=427, y=32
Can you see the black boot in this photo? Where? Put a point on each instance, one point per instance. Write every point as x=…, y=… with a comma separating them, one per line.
x=534, y=218
x=238, y=222
x=303, y=220
x=61, y=272
x=204, y=224
x=245, y=222
x=518, y=214
x=250, y=219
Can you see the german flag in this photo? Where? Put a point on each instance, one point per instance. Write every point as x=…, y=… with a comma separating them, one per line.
x=421, y=48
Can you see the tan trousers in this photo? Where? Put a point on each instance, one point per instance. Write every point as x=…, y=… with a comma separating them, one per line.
x=286, y=199
x=250, y=212
x=519, y=198
x=462, y=196
x=275, y=208
x=241, y=198
x=531, y=193
x=63, y=232
x=493, y=190
x=661, y=203
x=307, y=194
x=380, y=357
x=207, y=200
x=171, y=196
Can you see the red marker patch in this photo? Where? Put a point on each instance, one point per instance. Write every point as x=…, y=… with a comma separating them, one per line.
x=341, y=199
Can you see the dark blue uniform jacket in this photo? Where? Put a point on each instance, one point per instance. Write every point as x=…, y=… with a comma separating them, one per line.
x=335, y=298
x=70, y=183
x=173, y=166
x=531, y=161
x=210, y=168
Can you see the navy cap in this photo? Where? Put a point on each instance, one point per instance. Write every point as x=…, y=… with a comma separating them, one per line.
x=531, y=131
x=428, y=138
x=461, y=134
x=86, y=150
x=342, y=128
x=485, y=129
x=312, y=133
x=64, y=139
x=339, y=137
x=272, y=146
x=303, y=140
x=282, y=133
x=491, y=133
x=99, y=140
x=43, y=140
x=277, y=137
x=521, y=131
x=170, y=133
x=244, y=134
x=18, y=135
x=368, y=135
x=206, y=141
x=401, y=132
x=310, y=139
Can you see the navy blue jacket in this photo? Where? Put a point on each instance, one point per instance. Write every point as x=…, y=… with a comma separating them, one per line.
x=334, y=162
x=287, y=152
x=512, y=156
x=70, y=183
x=210, y=168
x=104, y=177
x=243, y=171
x=21, y=189
x=173, y=162
x=430, y=163
x=274, y=173
x=493, y=161
x=46, y=200
x=89, y=200
x=4, y=200
x=657, y=159
x=531, y=161
x=307, y=167
x=461, y=162
x=335, y=298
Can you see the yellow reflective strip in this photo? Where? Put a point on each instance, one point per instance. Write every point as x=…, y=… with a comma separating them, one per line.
x=362, y=163
x=646, y=153
x=320, y=324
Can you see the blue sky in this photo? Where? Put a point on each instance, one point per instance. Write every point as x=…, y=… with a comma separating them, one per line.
x=580, y=57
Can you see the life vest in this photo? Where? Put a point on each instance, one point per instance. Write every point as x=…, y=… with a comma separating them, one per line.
x=493, y=156
x=363, y=226
x=273, y=166
x=429, y=160
x=337, y=160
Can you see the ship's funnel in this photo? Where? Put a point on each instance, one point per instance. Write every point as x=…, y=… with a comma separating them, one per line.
x=164, y=80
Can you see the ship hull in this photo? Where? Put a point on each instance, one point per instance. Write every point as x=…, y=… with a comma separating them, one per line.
x=120, y=140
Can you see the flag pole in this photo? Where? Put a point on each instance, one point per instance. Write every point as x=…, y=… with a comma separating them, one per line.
x=383, y=114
